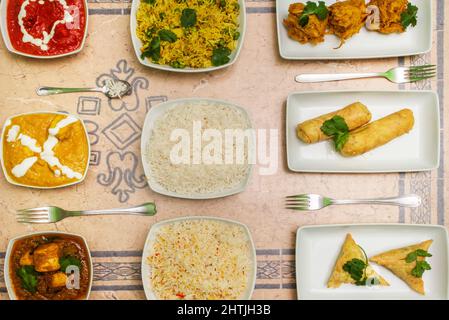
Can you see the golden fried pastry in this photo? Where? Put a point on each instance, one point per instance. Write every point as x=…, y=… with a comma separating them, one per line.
x=355, y=115
x=346, y=18
x=348, y=253
x=396, y=262
x=390, y=12
x=313, y=32
x=378, y=133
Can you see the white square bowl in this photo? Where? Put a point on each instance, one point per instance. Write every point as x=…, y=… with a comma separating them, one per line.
x=317, y=249
x=364, y=45
x=416, y=151
x=153, y=115
x=146, y=269
x=9, y=46
x=138, y=44
x=8, y=282
x=5, y=173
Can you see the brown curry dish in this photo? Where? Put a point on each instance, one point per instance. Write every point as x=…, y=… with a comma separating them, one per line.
x=39, y=267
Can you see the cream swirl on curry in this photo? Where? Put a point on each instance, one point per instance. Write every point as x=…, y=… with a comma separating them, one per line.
x=45, y=150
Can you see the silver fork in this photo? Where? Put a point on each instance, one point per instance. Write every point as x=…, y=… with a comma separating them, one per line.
x=313, y=202
x=396, y=75
x=55, y=214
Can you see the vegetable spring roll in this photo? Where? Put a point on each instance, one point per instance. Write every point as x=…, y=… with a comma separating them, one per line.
x=355, y=115
x=378, y=133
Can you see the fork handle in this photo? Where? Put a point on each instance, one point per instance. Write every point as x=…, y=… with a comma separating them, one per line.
x=147, y=209
x=47, y=91
x=307, y=78
x=408, y=201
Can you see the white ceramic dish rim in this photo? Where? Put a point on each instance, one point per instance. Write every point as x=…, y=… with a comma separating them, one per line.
x=9, y=46
x=154, y=228
x=358, y=225
x=287, y=57
x=5, y=173
x=137, y=43
x=146, y=134
x=11, y=243
x=438, y=143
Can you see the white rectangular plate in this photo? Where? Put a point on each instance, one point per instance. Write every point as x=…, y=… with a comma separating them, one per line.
x=418, y=150
x=317, y=249
x=364, y=45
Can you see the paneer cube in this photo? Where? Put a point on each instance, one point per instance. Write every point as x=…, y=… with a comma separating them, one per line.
x=46, y=257
x=59, y=279
x=26, y=259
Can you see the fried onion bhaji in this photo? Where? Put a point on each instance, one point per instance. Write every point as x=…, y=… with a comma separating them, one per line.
x=313, y=32
x=390, y=12
x=346, y=18
x=355, y=115
x=378, y=133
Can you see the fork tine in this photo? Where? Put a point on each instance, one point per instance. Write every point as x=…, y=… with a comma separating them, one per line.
x=297, y=208
x=297, y=201
x=300, y=196
x=420, y=73
x=34, y=216
x=416, y=78
x=33, y=221
x=33, y=210
x=423, y=67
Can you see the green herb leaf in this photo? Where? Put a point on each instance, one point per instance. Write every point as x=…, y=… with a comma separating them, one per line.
x=188, y=18
x=412, y=256
x=356, y=269
x=340, y=140
x=178, y=65
x=149, y=1
x=167, y=35
x=420, y=268
x=67, y=261
x=409, y=17
x=29, y=278
x=153, y=51
x=338, y=129
x=421, y=265
x=320, y=10
x=423, y=253
x=220, y=56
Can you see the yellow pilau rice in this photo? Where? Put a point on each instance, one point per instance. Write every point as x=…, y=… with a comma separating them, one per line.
x=216, y=26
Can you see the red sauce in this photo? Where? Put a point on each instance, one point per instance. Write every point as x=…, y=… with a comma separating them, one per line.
x=41, y=17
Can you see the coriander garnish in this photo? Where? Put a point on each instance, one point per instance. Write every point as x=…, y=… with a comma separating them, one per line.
x=167, y=35
x=356, y=269
x=188, y=18
x=409, y=17
x=320, y=10
x=421, y=265
x=338, y=130
x=153, y=51
x=28, y=276
x=67, y=261
x=220, y=56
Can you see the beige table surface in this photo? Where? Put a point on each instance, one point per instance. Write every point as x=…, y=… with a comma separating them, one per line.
x=259, y=81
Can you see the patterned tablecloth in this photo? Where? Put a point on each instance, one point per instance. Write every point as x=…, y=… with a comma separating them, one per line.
x=259, y=81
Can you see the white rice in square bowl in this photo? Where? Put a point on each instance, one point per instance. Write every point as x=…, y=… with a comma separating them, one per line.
x=197, y=148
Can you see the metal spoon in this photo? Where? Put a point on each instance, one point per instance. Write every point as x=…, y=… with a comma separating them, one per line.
x=113, y=89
